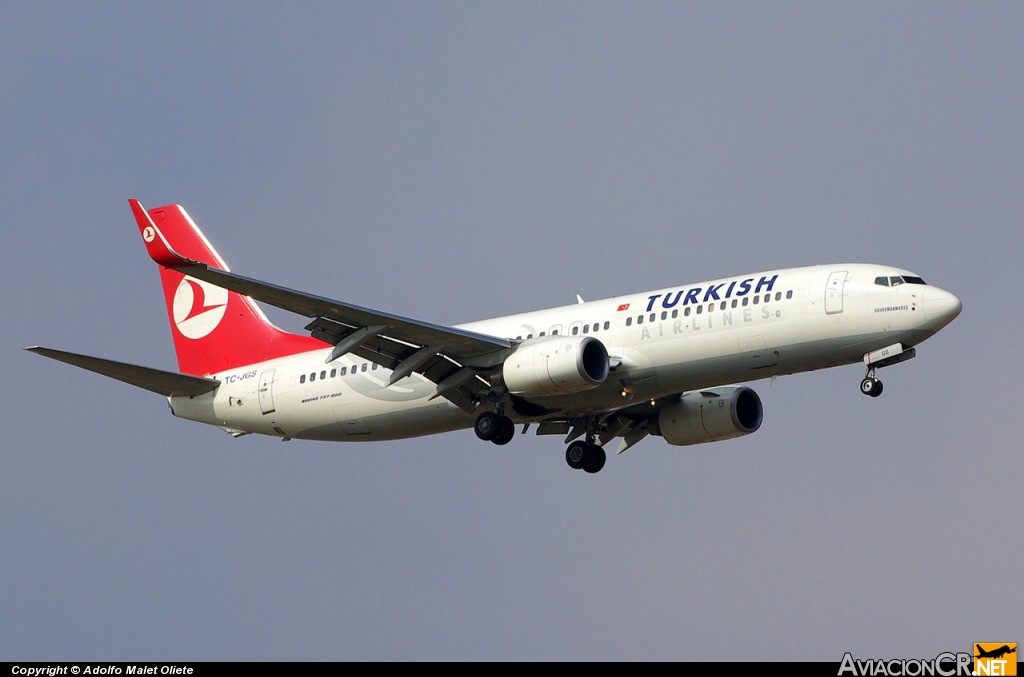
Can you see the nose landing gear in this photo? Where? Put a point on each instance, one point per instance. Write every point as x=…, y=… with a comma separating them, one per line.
x=883, y=357
x=871, y=386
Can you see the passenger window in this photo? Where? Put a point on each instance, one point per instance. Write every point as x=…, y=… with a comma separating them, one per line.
x=711, y=306
x=746, y=300
x=664, y=314
x=323, y=374
x=607, y=325
x=686, y=311
x=735, y=303
x=767, y=298
x=653, y=316
x=789, y=294
x=344, y=370
x=575, y=330
x=375, y=365
x=334, y=372
x=543, y=333
x=675, y=313
x=700, y=309
x=640, y=319
x=302, y=379
x=757, y=300
x=724, y=304
x=586, y=329
x=778, y=296
x=364, y=367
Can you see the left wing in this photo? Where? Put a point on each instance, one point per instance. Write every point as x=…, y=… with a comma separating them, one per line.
x=458, y=361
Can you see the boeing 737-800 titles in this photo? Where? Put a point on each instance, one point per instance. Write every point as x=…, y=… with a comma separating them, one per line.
x=666, y=362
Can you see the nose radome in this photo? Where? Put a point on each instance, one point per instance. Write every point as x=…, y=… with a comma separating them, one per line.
x=940, y=307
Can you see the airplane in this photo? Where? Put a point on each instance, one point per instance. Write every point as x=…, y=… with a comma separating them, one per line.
x=669, y=362
x=994, y=653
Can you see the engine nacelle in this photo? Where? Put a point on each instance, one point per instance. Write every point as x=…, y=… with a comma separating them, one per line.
x=556, y=365
x=709, y=416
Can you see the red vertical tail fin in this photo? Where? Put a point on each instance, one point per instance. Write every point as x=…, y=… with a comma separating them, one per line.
x=214, y=329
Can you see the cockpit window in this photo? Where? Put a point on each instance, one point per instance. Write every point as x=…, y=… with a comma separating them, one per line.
x=898, y=280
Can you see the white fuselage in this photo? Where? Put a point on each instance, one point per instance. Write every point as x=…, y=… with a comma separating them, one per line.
x=664, y=342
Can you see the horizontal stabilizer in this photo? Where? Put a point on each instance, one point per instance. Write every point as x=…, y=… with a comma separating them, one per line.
x=165, y=383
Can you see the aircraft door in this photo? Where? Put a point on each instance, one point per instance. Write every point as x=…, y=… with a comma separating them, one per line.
x=266, y=391
x=834, y=292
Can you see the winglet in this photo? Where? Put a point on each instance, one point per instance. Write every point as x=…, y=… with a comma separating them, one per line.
x=156, y=244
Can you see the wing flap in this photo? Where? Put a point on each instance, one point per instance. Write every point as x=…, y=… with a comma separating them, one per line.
x=166, y=383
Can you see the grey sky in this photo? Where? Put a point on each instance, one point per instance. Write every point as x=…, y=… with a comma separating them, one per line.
x=456, y=161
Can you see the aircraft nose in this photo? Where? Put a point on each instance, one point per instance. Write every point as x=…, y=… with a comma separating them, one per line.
x=940, y=307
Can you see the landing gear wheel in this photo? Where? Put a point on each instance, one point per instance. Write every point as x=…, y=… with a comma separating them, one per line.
x=575, y=454
x=594, y=460
x=506, y=431
x=487, y=425
x=871, y=386
x=585, y=456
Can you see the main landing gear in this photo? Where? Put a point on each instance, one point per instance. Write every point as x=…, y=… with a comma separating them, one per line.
x=580, y=455
x=585, y=456
x=492, y=427
x=871, y=386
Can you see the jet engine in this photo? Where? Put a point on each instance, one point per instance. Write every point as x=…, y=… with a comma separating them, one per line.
x=709, y=416
x=556, y=365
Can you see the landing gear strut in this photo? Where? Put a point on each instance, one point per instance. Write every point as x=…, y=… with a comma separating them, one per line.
x=871, y=386
x=492, y=427
x=883, y=357
x=585, y=456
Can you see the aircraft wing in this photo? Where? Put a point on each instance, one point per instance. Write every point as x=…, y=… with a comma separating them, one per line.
x=164, y=383
x=455, y=359
x=466, y=344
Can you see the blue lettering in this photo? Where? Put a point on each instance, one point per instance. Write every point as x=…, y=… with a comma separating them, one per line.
x=770, y=282
x=665, y=303
x=712, y=292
